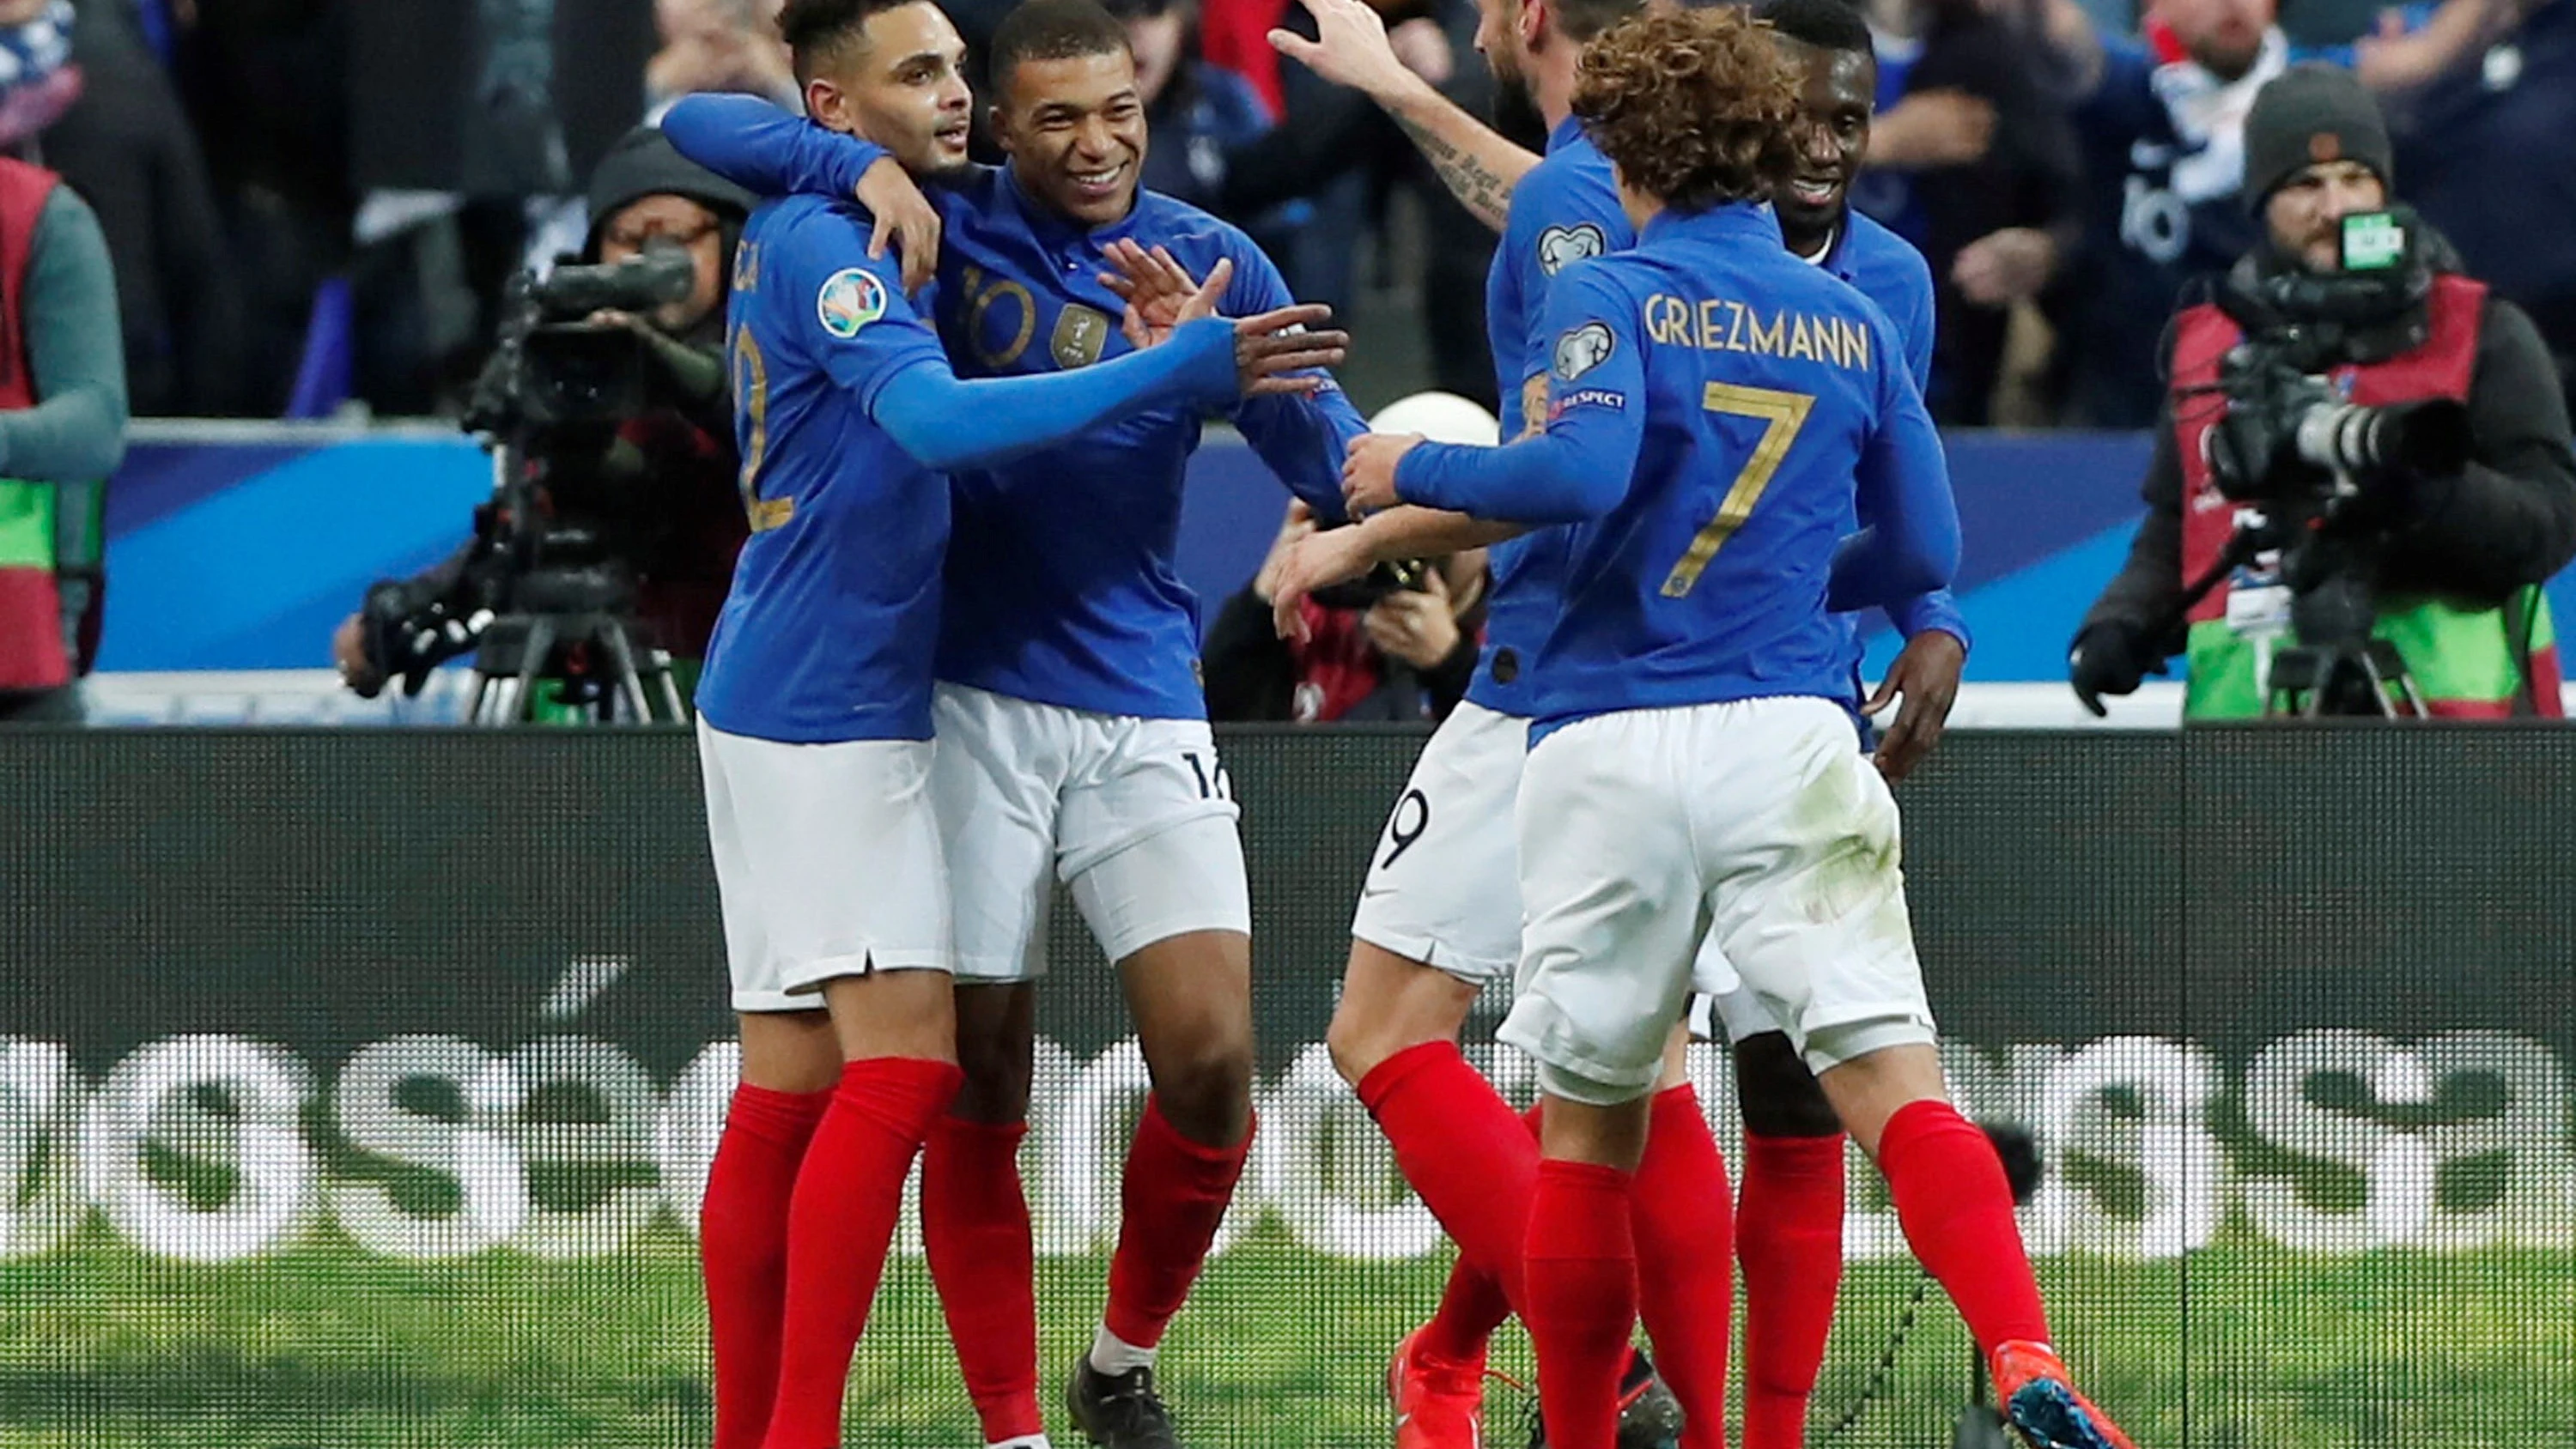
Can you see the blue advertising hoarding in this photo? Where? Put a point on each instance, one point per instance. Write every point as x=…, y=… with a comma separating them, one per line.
x=239, y=548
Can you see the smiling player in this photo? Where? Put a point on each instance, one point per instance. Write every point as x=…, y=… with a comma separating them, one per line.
x=816, y=710
x=1073, y=737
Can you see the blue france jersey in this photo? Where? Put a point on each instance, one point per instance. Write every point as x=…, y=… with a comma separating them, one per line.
x=1885, y=268
x=829, y=628
x=1713, y=404
x=1566, y=209
x=1062, y=581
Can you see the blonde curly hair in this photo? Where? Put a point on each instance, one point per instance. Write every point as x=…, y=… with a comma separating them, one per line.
x=1692, y=106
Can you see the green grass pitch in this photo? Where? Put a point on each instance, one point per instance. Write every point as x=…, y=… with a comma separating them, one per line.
x=320, y=1348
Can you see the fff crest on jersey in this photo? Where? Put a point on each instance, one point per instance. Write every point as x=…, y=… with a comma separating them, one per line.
x=851, y=299
x=1560, y=245
x=1583, y=349
x=1080, y=333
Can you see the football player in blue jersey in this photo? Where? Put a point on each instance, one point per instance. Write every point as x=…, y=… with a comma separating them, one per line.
x=1716, y=412
x=816, y=708
x=1073, y=736
x=1793, y=1168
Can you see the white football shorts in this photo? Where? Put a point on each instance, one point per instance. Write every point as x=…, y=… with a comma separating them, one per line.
x=1443, y=884
x=1134, y=815
x=1754, y=821
x=828, y=863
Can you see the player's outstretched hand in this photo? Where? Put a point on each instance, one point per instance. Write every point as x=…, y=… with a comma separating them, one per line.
x=1927, y=675
x=1159, y=292
x=1368, y=470
x=1316, y=561
x=1271, y=349
x=906, y=216
x=1350, y=48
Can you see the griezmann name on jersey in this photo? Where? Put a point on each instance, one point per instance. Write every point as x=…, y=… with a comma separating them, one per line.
x=1714, y=405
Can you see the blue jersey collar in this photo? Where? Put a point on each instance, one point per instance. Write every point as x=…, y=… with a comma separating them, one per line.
x=1567, y=132
x=1734, y=221
x=1837, y=258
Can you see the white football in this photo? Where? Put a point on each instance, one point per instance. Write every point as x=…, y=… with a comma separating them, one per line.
x=1443, y=417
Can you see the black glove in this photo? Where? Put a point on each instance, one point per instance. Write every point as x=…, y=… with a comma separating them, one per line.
x=2109, y=658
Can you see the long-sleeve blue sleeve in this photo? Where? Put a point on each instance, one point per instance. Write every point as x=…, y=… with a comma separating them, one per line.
x=1923, y=613
x=949, y=424
x=1301, y=436
x=1939, y=609
x=1910, y=544
x=1581, y=466
x=766, y=151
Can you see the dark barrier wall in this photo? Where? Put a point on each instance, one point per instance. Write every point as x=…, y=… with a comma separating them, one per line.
x=356, y=1089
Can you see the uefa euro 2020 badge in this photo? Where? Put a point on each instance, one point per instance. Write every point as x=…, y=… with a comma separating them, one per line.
x=851, y=299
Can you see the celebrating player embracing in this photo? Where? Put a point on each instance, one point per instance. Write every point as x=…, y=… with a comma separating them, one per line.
x=1073, y=734
x=816, y=713
x=1716, y=412
x=1440, y=911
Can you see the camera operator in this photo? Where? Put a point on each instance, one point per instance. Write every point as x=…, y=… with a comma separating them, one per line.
x=1379, y=648
x=2358, y=443
x=662, y=483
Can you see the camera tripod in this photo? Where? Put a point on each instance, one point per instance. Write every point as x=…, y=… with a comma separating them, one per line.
x=2352, y=678
x=2336, y=668
x=604, y=665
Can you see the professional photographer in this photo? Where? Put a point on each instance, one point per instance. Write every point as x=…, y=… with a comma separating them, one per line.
x=1398, y=645
x=2362, y=472
x=638, y=492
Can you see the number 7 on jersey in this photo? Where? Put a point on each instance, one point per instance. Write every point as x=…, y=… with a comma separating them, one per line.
x=1782, y=414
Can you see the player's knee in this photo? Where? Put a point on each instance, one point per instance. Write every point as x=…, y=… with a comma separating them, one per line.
x=1389, y=1005
x=997, y=1052
x=1205, y=1089
x=1356, y=1044
x=1779, y=1095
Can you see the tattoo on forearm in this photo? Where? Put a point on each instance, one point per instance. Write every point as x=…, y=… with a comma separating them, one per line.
x=1478, y=189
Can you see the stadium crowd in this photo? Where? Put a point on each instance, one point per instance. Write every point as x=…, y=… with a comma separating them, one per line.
x=2068, y=167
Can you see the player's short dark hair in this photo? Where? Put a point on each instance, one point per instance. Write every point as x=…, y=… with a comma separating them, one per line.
x=1053, y=30
x=1824, y=24
x=1692, y=106
x=819, y=30
x=1580, y=20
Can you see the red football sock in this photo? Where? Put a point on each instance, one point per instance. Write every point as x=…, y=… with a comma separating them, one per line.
x=1581, y=1263
x=1471, y=1307
x=839, y=1224
x=1464, y=1150
x=1683, y=1212
x=1957, y=1211
x=742, y=1250
x=1173, y=1196
x=1789, y=1236
x=975, y=1224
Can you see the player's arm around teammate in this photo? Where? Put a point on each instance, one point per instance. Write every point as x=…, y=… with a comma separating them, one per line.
x=815, y=717
x=1695, y=775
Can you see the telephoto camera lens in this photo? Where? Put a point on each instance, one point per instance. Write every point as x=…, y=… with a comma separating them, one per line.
x=2429, y=437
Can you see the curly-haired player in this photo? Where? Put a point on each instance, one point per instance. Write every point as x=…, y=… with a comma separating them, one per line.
x=1716, y=412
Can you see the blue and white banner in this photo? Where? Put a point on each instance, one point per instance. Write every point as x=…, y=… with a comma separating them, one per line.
x=239, y=548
